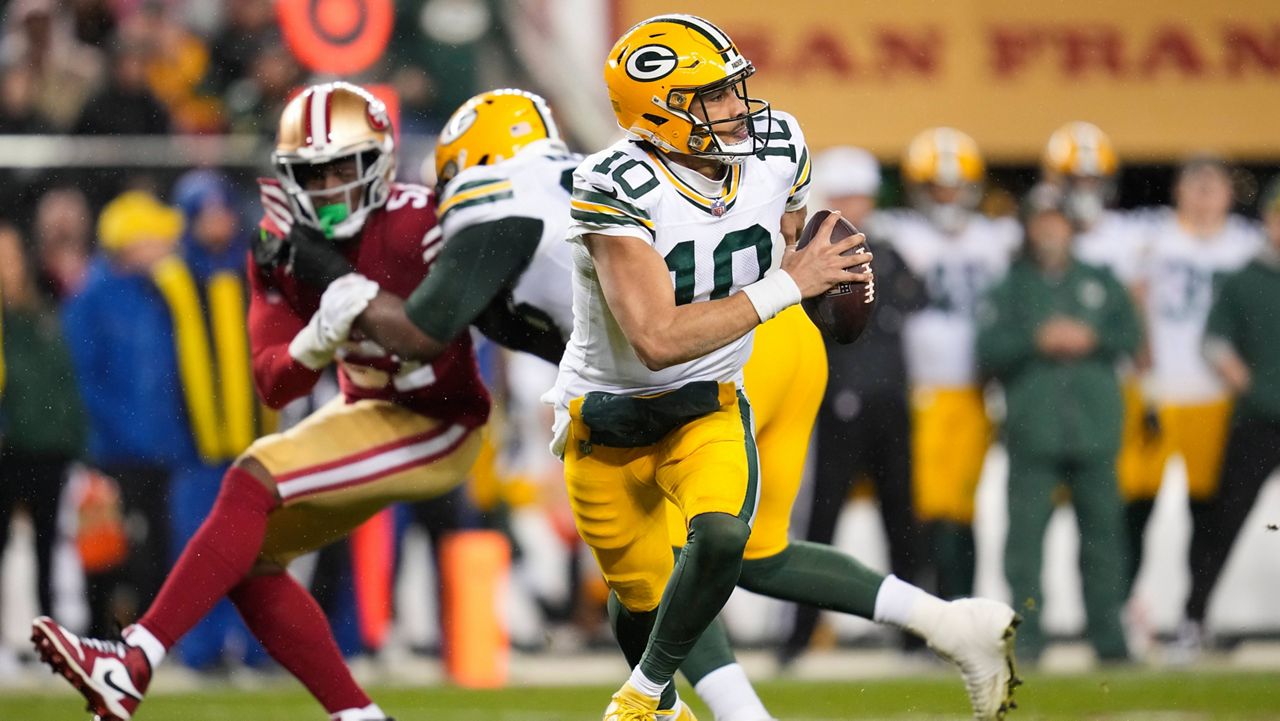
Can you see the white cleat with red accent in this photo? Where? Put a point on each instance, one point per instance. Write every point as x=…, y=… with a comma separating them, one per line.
x=111, y=675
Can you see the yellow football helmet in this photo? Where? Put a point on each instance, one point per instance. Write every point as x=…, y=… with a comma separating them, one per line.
x=1081, y=158
x=944, y=158
x=661, y=67
x=1080, y=150
x=492, y=127
x=328, y=123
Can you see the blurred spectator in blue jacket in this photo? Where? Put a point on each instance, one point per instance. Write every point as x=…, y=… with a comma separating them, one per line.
x=122, y=342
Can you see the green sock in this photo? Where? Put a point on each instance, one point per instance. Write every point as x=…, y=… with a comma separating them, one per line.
x=711, y=652
x=815, y=574
x=955, y=558
x=699, y=586
x=632, y=629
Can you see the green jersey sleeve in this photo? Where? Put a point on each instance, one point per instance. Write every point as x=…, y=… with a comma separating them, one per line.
x=478, y=265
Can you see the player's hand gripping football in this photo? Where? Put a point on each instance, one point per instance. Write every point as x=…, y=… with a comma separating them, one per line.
x=822, y=264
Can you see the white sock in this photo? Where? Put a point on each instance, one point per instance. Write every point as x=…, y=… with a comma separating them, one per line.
x=900, y=604
x=138, y=635
x=728, y=693
x=368, y=713
x=646, y=685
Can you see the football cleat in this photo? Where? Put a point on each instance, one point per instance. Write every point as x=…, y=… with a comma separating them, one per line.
x=111, y=675
x=976, y=634
x=681, y=712
x=629, y=704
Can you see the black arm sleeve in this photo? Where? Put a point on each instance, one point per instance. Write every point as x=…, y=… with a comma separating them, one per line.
x=476, y=267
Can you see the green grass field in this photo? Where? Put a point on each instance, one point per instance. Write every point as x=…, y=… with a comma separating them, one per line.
x=1120, y=696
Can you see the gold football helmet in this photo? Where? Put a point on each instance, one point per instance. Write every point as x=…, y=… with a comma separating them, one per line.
x=661, y=67
x=943, y=171
x=325, y=124
x=1080, y=158
x=1080, y=150
x=492, y=127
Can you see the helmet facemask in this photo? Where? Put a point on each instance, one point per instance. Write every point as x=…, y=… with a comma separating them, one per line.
x=340, y=211
x=703, y=141
x=1086, y=197
x=950, y=217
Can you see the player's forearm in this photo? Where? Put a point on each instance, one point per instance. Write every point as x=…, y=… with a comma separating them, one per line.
x=279, y=378
x=384, y=322
x=686, y=332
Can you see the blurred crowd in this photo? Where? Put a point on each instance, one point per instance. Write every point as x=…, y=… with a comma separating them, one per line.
x=1094, y=342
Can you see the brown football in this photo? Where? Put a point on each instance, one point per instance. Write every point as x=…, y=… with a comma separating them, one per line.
x=843, y=312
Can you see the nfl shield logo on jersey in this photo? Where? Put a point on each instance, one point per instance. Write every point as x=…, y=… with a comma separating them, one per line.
x=717, y=208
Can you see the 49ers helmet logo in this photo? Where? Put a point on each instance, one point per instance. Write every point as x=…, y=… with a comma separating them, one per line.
x=651, y=62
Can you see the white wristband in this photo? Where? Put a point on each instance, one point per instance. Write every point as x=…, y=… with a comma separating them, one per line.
x=773, y=293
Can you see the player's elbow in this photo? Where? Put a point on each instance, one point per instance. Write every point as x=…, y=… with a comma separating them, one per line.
x=655, y=353
x=274, y=396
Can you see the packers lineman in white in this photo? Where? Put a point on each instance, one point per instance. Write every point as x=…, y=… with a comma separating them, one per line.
x=678, y=254
x=960, y=254
x=1190, y=248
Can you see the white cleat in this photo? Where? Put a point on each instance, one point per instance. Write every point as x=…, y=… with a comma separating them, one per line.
x=976, y=634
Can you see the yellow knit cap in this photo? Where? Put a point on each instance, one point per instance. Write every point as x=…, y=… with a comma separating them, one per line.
x=137, y=215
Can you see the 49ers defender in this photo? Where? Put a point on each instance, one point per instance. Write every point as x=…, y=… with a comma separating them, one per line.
x=400, y=431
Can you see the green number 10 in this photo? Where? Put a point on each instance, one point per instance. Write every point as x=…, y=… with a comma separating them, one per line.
x=682, y=263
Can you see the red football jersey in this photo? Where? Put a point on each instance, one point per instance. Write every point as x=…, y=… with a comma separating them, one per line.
x=395, y=249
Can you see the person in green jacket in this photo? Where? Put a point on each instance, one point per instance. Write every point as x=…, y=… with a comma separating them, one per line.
x=1052, y=333
x=42, y=423
x=1242, y=343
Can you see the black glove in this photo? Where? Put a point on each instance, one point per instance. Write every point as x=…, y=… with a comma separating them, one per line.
x=315, y=259
x=270, y=251
x=1150, y=424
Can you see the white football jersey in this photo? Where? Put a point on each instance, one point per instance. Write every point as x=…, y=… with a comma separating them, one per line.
x=1118, y=242
x=715, y=240
x=957, y=270
x=533, y=184
x=1179, y=278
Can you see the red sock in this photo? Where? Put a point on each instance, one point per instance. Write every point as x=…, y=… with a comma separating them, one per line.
x=216, y=558
x=293, y=629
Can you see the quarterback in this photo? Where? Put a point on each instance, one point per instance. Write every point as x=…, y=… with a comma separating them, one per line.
x=402, y=431
x=678, y=253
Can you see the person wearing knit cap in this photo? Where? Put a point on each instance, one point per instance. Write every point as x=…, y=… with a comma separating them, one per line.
x=121, y=335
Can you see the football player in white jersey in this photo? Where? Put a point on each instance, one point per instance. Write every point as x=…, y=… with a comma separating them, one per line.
x=678, y=254
x=960, y=254
x=1190, y=247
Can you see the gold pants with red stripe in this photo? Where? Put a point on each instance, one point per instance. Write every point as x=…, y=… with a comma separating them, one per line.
x=347, y=461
